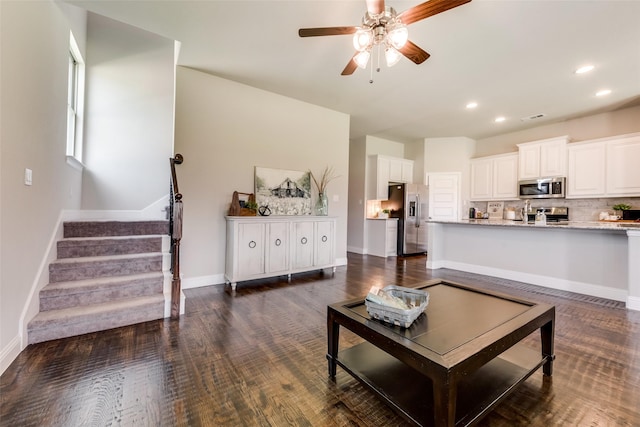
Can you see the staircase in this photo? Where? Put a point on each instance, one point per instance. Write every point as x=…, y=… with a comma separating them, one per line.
x=108, y=274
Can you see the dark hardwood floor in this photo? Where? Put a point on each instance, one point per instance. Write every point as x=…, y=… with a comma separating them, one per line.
x=257, y=358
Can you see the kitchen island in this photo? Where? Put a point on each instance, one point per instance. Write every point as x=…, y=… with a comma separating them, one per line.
x=593, y=258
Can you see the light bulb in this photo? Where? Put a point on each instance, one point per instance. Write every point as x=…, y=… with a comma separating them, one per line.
x=362, y=58
x=392, y=56
x=361, y=39
x=398, y=36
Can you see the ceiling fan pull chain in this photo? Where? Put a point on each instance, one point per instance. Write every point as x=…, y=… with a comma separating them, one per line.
x=378, y=65
x=371, y=72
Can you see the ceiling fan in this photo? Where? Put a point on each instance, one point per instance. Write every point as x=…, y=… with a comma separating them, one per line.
x=383, y=27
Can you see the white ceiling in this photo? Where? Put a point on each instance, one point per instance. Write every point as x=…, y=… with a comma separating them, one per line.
x=514, y=57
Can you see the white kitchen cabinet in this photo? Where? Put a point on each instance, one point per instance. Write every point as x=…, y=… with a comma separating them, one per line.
x=623, y=166
x=586, y=170
x=385, y=169
x=259, y=247
x=382, y=237
x=392, y=237
x=544, y=158
x=495, y=177
x=378, y=177
x=605, y=167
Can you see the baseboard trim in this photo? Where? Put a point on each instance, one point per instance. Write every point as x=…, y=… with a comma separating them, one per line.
x=633, y=303
x=202, y=281
x=9, y=353
x=539, y=280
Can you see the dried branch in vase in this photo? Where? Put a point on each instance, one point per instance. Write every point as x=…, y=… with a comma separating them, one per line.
x=327, y=176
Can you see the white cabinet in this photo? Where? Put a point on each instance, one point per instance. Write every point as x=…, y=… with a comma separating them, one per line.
x=400, y=170
x=392, y=238
x=623, y=166
x=385, y=169
x=259, y=247
x=543, y=158
x=382, y=237
x=277, y=247
x=378, y=174
x=251, y=249
x=586, y=171
x=606, y=167
x=495, y=177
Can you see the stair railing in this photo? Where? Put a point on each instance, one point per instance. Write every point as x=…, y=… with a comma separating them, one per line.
x=175, y=228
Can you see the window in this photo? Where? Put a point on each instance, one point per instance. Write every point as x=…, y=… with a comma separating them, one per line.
x=75, y=102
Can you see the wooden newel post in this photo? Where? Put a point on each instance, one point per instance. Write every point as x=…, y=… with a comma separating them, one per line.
x=176, y=236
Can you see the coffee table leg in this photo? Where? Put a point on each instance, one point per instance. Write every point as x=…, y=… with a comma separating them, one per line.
x=547, y=337
x=444, y=403
x=333, y=331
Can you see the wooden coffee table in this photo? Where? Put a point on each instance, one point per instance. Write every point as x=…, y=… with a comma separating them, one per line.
x=456, y=362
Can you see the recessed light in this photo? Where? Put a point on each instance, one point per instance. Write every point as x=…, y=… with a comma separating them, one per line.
x=603, y=92
x=500, y=119
x=472, y=105
x=584, y=69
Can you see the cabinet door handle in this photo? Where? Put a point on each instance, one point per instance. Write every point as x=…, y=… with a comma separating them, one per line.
x=303, y=240
x=324, y=238
x=278, y=242
x=252, y=244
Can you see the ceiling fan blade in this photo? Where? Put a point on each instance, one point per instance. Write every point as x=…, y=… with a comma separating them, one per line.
x=375, y=7
x=414, y=53
x=350, y=68
x=327, y=31
x=427, y=9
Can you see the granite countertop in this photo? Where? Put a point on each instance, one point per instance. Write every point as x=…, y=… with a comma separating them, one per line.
x=591, y=225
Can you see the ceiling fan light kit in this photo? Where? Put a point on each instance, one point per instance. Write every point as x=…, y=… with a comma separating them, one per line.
x=386, y=29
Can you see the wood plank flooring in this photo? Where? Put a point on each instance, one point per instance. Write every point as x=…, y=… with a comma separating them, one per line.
x=257, y=358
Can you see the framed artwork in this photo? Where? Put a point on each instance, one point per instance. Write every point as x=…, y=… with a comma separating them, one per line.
x=284, y=192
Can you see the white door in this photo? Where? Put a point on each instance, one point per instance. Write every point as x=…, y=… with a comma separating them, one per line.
x=444, y=196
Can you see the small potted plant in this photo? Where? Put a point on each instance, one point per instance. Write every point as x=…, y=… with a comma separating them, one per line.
x=619, y=208
x=384, y=214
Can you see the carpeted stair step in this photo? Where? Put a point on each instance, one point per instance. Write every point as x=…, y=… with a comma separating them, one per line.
x=67, y=269
x=76, y=247
x=114, y=228
x=61, y=295
x=55, y=324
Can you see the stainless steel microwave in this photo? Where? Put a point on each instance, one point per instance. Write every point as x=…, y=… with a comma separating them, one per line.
x=542, y=188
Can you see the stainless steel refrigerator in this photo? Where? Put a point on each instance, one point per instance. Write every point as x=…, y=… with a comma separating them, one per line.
x=410, y=204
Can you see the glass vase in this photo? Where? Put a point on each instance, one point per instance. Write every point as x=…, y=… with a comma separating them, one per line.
x=322, y=205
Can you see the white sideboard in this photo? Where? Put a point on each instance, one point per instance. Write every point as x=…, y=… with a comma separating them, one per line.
x=259, y=246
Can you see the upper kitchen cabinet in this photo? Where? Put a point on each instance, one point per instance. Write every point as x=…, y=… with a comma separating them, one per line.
x=623, y=166
x=385, y=169
x=400, y=170
x=586, y=176
x=544, y=158
x=606, y=167
x=495, y=177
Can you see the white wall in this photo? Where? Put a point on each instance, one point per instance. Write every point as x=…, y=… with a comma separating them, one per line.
x=357, y=195
x=33, y=85
x=224, y=129
x=129, y=110
x=591, y=127
x=451, y=155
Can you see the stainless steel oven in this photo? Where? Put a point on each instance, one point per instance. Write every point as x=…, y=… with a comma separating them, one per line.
x=542, y=188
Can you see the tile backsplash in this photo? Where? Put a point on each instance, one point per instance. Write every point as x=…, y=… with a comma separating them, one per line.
x=579, y=209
